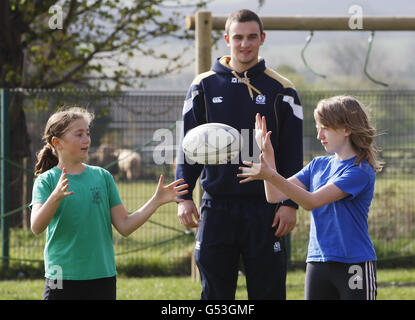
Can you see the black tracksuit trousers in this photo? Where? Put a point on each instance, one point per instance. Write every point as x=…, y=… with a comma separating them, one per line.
x=235, y=227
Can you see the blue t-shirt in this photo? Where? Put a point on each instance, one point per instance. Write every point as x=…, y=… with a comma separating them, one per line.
x=339, y=231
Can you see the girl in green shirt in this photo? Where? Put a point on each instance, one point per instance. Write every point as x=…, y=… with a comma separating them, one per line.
x=77, y=204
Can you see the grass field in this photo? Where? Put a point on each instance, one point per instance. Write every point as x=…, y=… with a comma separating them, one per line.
x=393, y=284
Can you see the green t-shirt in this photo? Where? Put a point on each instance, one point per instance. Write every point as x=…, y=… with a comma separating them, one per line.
x=79, y=237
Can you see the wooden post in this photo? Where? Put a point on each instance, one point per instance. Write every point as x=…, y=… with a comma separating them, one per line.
x=326, y=23
x=203, y=34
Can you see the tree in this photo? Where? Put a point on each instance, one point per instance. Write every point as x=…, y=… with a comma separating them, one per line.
x=38, y=51
x=52, y=44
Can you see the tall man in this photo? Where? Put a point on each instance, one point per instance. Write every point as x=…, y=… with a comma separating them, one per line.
x=236, y=218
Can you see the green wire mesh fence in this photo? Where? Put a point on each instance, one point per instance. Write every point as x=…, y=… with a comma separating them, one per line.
x=143, y=124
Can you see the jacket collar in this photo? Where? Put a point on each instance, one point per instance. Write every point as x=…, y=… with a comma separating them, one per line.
x=222, y=66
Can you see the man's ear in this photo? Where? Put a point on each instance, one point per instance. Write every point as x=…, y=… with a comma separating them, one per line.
x=227, y=40
x=262, y=38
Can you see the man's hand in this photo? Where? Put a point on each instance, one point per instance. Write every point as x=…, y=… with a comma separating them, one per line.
x=287, y=218
x=188, y=213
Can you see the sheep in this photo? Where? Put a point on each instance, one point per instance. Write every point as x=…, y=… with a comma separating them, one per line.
x=129, y=163
x=105, y=155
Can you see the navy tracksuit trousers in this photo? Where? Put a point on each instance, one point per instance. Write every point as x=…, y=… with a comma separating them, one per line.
x=231, y=228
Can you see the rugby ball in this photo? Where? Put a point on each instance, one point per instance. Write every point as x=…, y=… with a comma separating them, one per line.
x=212, y=144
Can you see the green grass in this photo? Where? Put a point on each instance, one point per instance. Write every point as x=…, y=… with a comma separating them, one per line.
x=393, y=284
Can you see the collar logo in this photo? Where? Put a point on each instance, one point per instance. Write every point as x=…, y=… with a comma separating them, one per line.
x=236, y=80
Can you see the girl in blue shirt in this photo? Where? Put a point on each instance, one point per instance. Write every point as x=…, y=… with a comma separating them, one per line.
x=338, y=189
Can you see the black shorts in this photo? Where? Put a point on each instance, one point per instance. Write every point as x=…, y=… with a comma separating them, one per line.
x=340, y=281
x=95, y=289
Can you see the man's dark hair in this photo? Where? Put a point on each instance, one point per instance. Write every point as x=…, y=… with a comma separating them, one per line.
x=244, y=15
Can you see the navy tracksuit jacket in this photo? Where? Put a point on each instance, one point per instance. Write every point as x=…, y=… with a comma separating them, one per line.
x=236, y=219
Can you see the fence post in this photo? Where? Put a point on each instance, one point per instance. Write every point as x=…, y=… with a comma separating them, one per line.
x=4, y=174
x=203, y=34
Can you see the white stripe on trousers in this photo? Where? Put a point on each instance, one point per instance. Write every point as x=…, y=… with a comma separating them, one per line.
x=370, y=276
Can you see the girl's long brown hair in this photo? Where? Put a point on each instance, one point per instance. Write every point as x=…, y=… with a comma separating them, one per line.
x=347, y=112
x=56, y=126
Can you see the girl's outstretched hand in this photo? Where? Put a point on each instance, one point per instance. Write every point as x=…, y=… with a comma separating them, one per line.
x=61, y=189
x=166, y=194
x=262, y=136
x=255, y=171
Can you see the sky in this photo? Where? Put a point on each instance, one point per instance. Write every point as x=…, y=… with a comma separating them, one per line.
x=315, y=7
